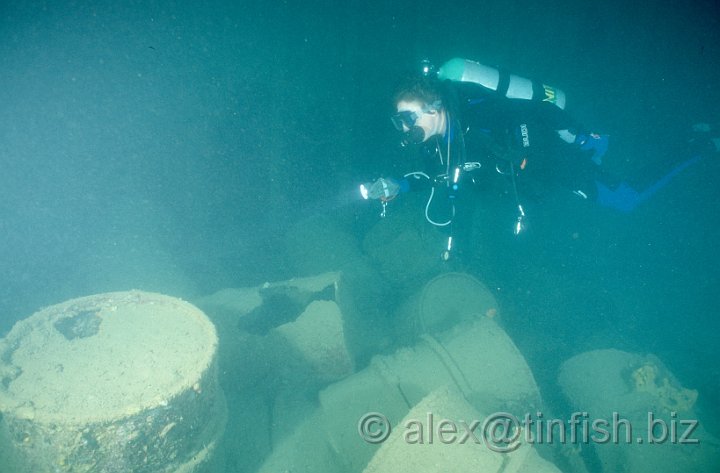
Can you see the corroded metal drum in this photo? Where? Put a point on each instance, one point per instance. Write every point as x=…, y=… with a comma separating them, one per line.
x=114, y=382
x=444, y=302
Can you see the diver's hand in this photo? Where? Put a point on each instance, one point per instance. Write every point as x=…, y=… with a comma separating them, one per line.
x=598, y=144
x=384, y=189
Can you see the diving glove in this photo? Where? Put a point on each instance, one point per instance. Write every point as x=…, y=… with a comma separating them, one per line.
x=598, y=144
x=383, y=188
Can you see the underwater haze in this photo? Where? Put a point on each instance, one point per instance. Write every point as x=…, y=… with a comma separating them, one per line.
x=170, y=146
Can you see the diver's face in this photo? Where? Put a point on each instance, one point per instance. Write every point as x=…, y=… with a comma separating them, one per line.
x=414, y=113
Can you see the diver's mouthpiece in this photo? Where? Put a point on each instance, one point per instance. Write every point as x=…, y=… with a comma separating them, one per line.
x=415, y=136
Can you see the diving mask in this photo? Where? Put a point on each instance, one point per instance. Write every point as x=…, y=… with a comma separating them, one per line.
x=404, y=120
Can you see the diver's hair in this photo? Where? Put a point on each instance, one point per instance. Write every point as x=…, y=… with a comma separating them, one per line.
x=425, y=89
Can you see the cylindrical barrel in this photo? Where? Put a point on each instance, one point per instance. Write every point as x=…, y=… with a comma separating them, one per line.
x=637, y=414
x=475, y=358
x=113, y=382
x=444, y=302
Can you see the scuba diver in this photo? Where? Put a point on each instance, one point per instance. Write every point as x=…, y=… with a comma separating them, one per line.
x=467, y=121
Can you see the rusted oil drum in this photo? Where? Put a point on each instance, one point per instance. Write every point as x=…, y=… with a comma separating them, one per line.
x=115, y=382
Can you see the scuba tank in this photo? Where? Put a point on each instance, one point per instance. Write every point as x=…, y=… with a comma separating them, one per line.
x=505, y=84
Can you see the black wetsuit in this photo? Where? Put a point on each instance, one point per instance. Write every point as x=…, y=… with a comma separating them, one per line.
x=515, y=143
